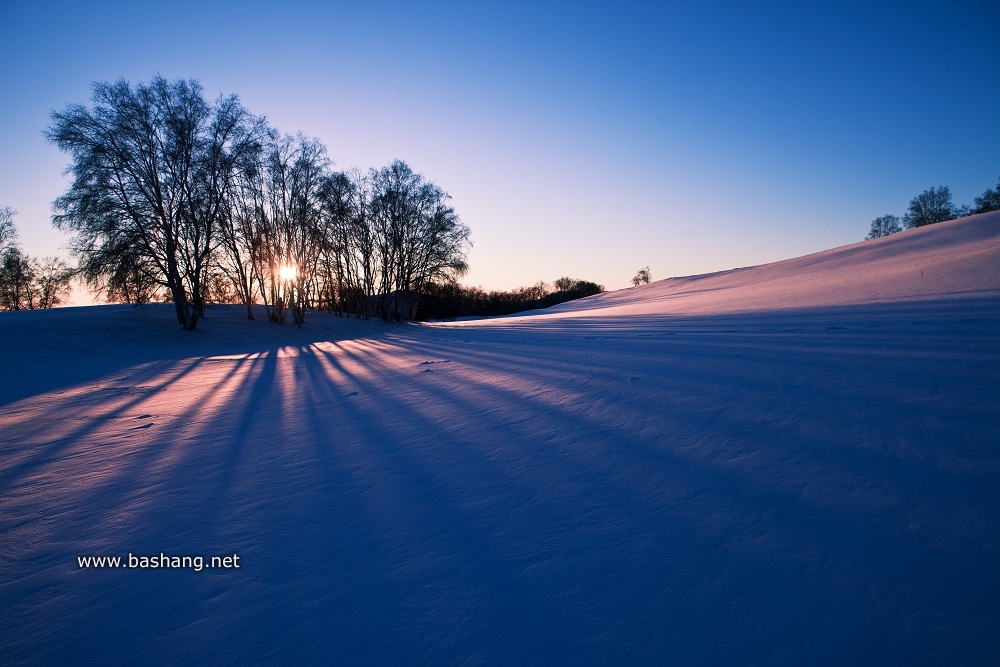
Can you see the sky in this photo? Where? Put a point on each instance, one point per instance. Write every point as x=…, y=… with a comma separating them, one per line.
x=580, y=139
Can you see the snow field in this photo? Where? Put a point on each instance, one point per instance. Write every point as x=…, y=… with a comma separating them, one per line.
x=789, y=464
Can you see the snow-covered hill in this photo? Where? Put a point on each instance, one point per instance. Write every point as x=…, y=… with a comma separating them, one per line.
x=949, y=260
x=797, y=463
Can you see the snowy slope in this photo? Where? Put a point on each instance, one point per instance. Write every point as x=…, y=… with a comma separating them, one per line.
x=787, y=464
x=949, y=260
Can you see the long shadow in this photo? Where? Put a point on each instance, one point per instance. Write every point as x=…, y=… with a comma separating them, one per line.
x=66, y=347
x=512, y=506
x=451, y=542
x=822, y=520
x=940, y=483
x=90, y=424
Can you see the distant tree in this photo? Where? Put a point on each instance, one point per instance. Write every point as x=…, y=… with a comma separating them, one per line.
x=449, y=300
x=16, y=280
x=564, y=284
x=152, y=166
x=539, y=290
x=132, y=278
x=8, y=233
x=586, y=288
x=642, y=277
x=11, y=265
x=219, y=289
x=930, y=206
x=578, y=288
x=27, y=283
x=51, y=282
x=884, y=226
x=988, y=201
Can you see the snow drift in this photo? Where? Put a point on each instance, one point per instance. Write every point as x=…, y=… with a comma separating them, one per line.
x=786, y=464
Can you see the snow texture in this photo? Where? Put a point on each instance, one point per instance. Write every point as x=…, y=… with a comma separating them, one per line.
x=795, y=463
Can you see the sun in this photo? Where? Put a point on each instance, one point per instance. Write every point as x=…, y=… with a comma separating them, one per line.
x=287, y=272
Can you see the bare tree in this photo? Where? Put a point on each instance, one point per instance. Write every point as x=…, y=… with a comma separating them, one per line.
x=988, y=201
x=16, y=280
x=303, y=228
x=418, y=238
x=883, y=226
x=642, y=277
x=436, y=251
x=302, y=237
x=13, y=265
x=171, y=193
x=242, y=228
x=274, y=234
x=930, y=206
x=347, y=258
x=27, y=283
x=339, y=199
x=51, y=282
x=152, y=167
x=8, y=233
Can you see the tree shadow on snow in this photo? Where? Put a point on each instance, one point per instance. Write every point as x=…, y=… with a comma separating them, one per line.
x=813, y=485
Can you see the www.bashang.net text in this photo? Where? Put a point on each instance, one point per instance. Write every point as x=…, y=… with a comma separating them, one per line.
x=160, y=561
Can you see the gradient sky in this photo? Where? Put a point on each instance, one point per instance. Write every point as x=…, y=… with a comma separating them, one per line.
x=580, y=139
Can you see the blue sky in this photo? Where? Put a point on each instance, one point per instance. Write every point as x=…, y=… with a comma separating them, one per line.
x=581, y=139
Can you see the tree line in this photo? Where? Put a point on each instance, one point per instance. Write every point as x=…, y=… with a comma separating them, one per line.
x=450, y=301
x=27, y=283
x=176, y=197
x=931, y=206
